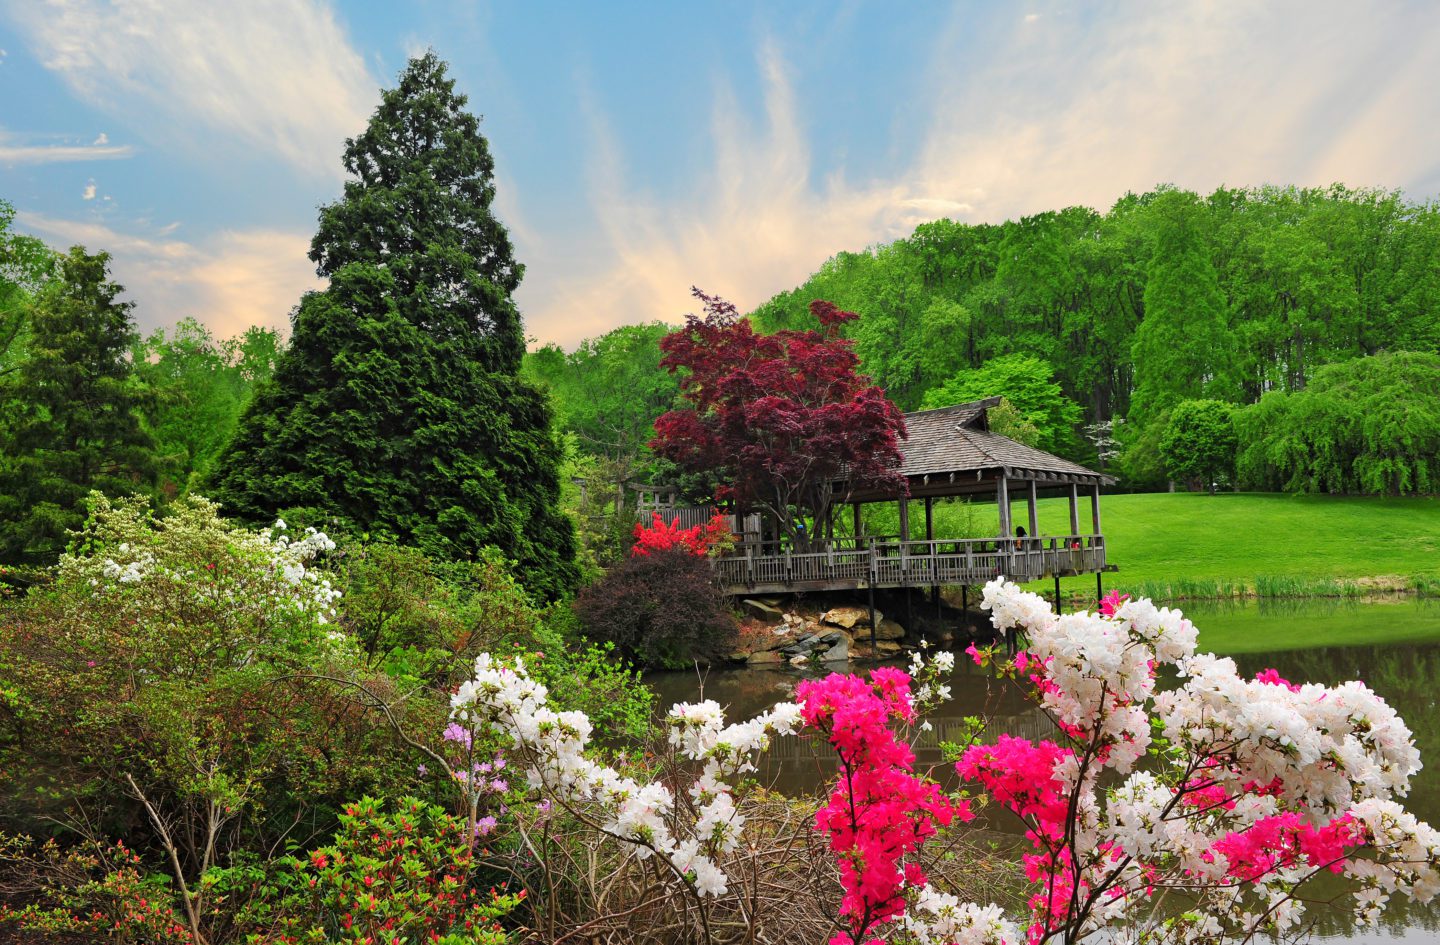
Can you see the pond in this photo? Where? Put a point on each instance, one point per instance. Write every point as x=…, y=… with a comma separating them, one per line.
x=1405, y=673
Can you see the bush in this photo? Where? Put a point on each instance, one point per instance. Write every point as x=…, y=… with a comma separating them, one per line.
x=661, y=609
x=401, y=877
x=1198, y=445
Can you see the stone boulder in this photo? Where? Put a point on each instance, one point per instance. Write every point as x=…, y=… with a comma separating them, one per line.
x=765, y=658
x=848, y=618
x=762, y=611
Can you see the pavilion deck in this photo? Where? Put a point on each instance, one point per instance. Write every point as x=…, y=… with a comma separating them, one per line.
x=756, y=568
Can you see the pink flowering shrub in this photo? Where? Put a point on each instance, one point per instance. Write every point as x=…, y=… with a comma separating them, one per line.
x=880, y=811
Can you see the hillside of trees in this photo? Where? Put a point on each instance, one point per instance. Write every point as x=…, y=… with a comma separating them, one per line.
x=1097, y=326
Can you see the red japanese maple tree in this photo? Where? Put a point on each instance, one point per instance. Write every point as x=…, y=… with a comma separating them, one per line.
x=785, y=420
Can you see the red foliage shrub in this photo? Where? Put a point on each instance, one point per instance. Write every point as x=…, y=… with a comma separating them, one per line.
x=698, y=540
x=661, y=608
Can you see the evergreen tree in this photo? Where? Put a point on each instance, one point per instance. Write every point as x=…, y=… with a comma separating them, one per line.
x=72, y=412
x=1182, y=346
x=398, y=406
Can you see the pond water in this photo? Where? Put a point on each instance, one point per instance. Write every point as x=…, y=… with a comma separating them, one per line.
x=1405, y=673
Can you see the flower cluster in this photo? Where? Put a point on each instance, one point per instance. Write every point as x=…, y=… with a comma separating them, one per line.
x=550, y=747
x=698, y=540
x=880, y=811
x=1264, y=783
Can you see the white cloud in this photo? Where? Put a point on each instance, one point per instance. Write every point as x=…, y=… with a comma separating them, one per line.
x=30, y=149
x=277, y=75
x=1026, y=120
x=89, y=192
x=229, y=282
x=101, y=139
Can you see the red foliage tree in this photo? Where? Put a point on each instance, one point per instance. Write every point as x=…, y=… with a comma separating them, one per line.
x=785, y=420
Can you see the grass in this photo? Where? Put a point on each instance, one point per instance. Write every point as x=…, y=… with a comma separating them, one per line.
x=1190, y=545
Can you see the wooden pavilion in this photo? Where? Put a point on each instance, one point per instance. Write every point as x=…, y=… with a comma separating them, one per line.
x=950, y=452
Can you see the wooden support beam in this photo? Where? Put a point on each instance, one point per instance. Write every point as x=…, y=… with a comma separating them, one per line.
x=1074, y=509
x=1095, y=507
x=929, y=518
x=1032, y=498
x=856, y=507
x=1002, y=499
x=904, y=519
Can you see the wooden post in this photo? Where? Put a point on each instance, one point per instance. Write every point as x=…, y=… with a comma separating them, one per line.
x=874, y=649
x=1095, y=507
x=1074, y=509
x=1058, y=608
x=1002, y=498
x=856, y=507
x=1032, y=498
x=904, y=522
x=1099, y=587
x=930, y=545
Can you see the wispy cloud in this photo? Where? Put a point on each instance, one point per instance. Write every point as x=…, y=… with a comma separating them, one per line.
x=1042, y=110
x=89, y=192
x=230, y=281
x=278, y=75
x=34, y=149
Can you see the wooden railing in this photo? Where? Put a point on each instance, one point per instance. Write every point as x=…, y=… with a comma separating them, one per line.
x=890, y=562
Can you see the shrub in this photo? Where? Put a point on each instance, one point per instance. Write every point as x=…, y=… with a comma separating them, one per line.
x=710, y=538
x=407, y=876
x=661, y=609
x=1198, y=445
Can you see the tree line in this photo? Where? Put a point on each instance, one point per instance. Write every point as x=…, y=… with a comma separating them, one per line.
x=1097, y=326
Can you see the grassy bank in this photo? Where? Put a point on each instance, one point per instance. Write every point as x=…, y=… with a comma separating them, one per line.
x=1186, y=545
x=1260, y=628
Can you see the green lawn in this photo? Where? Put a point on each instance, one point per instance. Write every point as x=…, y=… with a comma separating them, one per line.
x=1293, y=625
x=1234, y=537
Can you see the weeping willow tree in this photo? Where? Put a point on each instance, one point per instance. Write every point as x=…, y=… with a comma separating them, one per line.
x=1371, y=425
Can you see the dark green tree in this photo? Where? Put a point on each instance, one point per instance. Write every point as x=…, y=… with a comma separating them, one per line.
x=398, y=407
x=1198, y=445
x=71, y=412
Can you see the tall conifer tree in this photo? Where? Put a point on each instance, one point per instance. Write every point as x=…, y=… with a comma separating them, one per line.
x=71, y=412
x=398, y=404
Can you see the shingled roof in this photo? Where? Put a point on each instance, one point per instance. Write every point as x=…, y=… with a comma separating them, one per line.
x=958, y=439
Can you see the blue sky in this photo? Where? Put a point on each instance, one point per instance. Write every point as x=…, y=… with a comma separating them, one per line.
x=643, y=148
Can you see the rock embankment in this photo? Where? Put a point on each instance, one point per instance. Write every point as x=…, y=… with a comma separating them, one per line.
x=775, y=633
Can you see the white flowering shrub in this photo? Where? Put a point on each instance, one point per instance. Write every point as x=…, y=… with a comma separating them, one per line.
x=1262, y=786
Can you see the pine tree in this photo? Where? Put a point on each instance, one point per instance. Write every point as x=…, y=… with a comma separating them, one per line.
x=398, y=406
x=72, y=409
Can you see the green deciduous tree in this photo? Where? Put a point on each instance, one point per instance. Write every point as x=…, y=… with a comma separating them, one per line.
x=1182, y=346
x=1371, y=425
x=72, y=418
x=201, y=386
x=1198, y=445
x=398, y=406
x=1028, y=385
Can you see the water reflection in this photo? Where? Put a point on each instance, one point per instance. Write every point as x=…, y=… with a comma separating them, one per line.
x=1405, y=674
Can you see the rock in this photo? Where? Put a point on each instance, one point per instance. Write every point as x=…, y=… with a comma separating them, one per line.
x=799, y=660
x=840, y=652
x=762, y=611
x=831, y=638
x=888, y=647
x=765, y=657
x=889, y=630
x=848, y=617
x=739, y=657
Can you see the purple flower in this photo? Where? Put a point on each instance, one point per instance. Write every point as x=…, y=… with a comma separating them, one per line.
x=420, y=769
x=455, y=732
x=499, y=786
x=484, y=825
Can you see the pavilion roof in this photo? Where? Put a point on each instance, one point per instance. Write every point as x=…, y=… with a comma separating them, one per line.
x=958, y=439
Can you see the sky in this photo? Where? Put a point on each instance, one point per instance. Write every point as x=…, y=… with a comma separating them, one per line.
x=645, y=148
